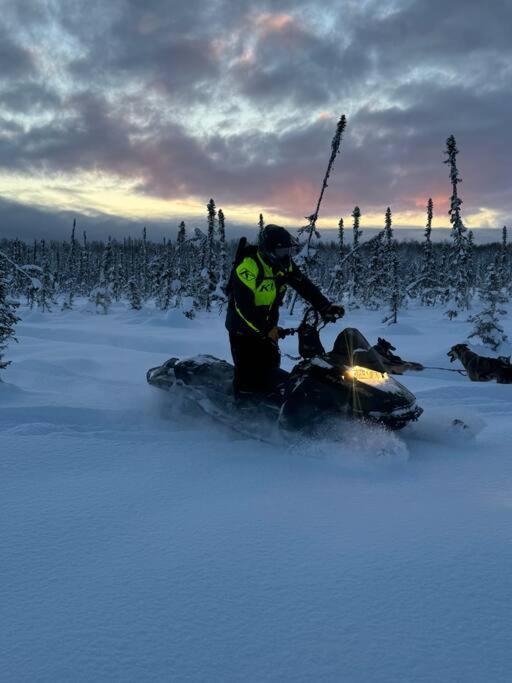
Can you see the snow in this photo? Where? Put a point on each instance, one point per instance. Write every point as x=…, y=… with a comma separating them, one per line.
x=139, y=543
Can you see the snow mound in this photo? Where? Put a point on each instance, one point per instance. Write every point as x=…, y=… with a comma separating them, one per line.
x=442, y=427
x=354, y=445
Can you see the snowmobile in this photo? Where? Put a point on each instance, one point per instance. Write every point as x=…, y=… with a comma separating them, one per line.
x=348, y=381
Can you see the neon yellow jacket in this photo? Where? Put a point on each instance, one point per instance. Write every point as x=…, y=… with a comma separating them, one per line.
x=257, y=290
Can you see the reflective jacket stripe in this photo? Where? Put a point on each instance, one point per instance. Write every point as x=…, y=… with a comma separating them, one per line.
x=247, y=322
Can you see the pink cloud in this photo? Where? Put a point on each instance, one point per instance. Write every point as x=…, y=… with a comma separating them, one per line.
x=273, y=23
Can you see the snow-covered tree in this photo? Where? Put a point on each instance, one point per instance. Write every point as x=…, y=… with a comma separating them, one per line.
x=85, y=267
x=182, y=235
x=354, y=262
x=503, y=270
x=336, y=286
x=117, y=275
x=8, y=317
x=392, y=289
x=101, y=295
x=71, y=274
x=459, y=280
x=145, y=284
x=134, y=294
x=486, y=324
x=341, y=240
x=428, y=283
x=45, y=291
x=374, y=291
x=223, y=267
x=307, y=232
x=261, y=225
x=181, y=266
x=208, y=274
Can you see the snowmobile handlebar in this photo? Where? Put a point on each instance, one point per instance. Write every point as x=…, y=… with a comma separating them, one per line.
x=287, y=332
x=311, y=318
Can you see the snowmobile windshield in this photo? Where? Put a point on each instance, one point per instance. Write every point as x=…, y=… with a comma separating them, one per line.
x=352, y=348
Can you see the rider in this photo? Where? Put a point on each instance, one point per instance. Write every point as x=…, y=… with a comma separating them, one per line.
x=256, y=290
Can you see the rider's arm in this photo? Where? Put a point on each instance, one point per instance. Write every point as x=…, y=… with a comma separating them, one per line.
x=307, y=289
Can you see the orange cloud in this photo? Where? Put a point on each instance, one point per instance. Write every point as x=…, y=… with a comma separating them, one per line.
x=325, y=116
x=272, y=23
x=441, y=205
x=295, y=198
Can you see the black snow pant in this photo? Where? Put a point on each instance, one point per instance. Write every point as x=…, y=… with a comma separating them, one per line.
x=257, y=362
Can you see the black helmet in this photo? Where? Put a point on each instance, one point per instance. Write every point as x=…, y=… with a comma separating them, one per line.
x=277, y=246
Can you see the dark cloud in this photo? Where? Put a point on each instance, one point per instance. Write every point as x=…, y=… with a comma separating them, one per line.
x=26, y=96
x=15, y=60
x=289, y=61
x=230, y=99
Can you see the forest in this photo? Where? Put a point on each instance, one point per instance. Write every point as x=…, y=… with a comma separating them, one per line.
x=190, y=273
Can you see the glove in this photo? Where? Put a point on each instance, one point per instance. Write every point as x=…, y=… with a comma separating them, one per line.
x=274, y=334
x=332, y=313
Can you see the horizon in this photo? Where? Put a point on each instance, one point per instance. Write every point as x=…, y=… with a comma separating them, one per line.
x=31, y=223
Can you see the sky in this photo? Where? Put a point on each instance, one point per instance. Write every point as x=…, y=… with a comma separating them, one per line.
x=128, y=113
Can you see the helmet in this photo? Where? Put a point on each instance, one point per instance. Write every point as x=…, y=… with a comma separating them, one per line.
x=277, y=246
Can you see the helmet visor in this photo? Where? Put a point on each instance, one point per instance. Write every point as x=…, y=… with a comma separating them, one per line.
x=284, y=253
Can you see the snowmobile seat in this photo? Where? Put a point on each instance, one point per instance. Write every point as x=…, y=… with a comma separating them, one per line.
x=206, y=371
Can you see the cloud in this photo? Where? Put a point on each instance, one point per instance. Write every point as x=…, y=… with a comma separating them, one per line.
x=220, y=99
x=16, y=61
x=29, y=96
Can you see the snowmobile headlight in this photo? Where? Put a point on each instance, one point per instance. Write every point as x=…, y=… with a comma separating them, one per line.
x=366, y=375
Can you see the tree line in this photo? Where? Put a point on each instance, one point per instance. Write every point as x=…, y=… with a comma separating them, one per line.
x=190, y=272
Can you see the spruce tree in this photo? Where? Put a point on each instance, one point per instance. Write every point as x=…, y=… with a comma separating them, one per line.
x=392, y=288
x=355, y=259
x=181, y=265
x=223, y=267
x=459, y=275
x=85, y=265
x=144, y=276
x=503, y=269
x=486, y=324
x=134, y=294
x=45, y=293
x=208, y=272
x=428, y=280
x=374, y=292
x=8, y=317
x=101, y=295
x=470, y=267
x=261, y=225
x=163, y=277
x=182, y=235
x=117, y=275
x=336, y=285
x=72, y=272
x=341, y=241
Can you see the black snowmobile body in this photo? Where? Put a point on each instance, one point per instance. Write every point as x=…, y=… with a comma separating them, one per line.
x=348, y=381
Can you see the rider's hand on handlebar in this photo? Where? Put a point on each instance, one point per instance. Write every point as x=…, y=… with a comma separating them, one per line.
x=332, y=313
x=274, y=334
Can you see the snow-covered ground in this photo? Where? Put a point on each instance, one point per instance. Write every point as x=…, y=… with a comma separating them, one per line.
x=140, y=545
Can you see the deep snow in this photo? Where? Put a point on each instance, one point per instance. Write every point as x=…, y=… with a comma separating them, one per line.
x=139, y=544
